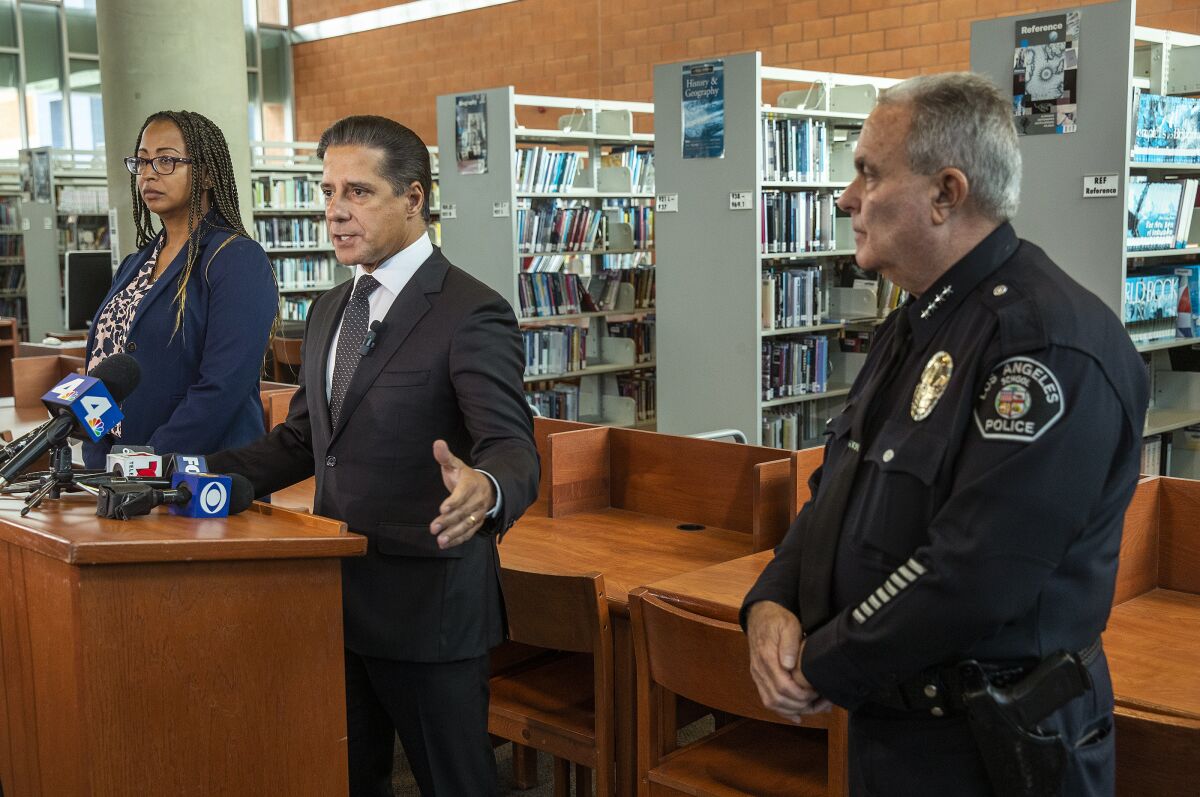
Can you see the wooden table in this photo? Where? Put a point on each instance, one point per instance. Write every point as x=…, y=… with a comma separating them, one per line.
x=613, y=501
x=715, y=591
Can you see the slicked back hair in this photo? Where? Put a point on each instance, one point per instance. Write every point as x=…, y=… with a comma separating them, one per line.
x=963, y=120
x=405, y=156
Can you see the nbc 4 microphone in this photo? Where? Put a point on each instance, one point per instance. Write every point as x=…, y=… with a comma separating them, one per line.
x=199, y=495
x=86, y=406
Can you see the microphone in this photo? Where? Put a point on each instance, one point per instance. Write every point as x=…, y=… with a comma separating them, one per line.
x=185, y=463
x=201, y=495
x=368, y=344
x=12, y=449
x=134, y=463
x=81, y=405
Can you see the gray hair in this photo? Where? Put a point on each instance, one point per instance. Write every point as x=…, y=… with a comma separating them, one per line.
x=962, y=120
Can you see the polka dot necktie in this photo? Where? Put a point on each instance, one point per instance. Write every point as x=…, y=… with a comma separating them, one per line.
x=350, y=339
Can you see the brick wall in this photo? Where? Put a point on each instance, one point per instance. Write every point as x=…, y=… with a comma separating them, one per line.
x=608, y=48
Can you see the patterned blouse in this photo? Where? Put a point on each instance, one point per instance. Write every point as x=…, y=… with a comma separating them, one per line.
x=112, y=328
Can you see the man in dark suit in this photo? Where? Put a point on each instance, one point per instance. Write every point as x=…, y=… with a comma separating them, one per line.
x=408, y=364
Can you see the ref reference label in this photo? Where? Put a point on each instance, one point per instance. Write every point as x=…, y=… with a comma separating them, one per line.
x=1100, y=185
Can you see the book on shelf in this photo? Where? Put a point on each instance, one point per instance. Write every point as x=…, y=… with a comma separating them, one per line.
x=1167, y=129
x=9, y=216
x=1151, y=306
x=798, y=426
x=291, y=192
x=10, y=245
x=1159, y=213
x=543, y=294
x=558, y=225
x=294, y=309
x=792, y=298
x=298, y=232
x=795, y=150
x=638, y=214
x=1187, y=322
x=542, y=170
x=560, y=400
x=551, y=351
x=796, y=221
x=1156, y=455
x=308, y=271
x=605, y=288
x=640, y=163
x=640, y=332
x=642, y=387
x=795, y=367
x=82, y=199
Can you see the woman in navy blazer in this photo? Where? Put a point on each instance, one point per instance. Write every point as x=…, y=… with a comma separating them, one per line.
x=195, y=305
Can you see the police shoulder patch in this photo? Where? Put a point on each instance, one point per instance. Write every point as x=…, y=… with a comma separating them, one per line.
x=1020, y=400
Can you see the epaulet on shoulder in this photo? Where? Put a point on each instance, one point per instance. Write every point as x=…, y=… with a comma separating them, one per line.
x=1019, y=318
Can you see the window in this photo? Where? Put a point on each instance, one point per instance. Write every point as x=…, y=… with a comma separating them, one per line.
x=50, y=74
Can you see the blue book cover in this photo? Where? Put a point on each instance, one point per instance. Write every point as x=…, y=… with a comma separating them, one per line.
x=1188, y=321
x=1168, y=129
x=1151, y=306
x=1153, y=214
x=704, y=110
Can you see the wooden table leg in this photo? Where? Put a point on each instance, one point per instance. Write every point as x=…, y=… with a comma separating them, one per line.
x=525, y=766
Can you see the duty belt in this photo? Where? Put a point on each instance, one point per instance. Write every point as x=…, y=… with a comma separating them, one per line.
x=938, y=691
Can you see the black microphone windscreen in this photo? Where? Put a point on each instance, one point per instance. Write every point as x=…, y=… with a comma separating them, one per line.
x=241, y=493
x=120, y=373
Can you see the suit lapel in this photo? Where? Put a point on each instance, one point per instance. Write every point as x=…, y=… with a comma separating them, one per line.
x=408, y=309
x=320, y=335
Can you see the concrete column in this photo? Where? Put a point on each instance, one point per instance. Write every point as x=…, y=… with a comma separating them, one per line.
x=182, y=55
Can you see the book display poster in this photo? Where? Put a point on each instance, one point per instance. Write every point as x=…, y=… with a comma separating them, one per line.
x=1045, y=75
x=1168, y=129
x=470, y=133
x=704, y=110
x=1153, y=213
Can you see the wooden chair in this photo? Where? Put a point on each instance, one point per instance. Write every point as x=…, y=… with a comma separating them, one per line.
x=682, y=654
x=546, y=705
x=285, y=352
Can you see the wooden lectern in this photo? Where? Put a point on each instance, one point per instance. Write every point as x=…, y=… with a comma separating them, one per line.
x=169, y=655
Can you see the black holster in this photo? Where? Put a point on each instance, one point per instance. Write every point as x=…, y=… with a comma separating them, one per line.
x=1021, y=760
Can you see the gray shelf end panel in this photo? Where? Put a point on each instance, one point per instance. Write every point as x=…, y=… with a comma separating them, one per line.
x=43, y=286
x=708, y=280
x=475, y=240
x=1084, y=236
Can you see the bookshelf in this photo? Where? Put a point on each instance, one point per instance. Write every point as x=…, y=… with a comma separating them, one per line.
x=12, y=254
x=788, y=144
x=67, y=210
x=289, y=222
x=563, y=209
x=1086, y=236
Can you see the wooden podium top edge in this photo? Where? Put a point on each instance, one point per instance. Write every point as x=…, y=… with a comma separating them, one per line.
x=68, y=530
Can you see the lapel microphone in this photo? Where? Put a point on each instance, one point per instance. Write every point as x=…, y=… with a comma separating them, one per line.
x=368, y=344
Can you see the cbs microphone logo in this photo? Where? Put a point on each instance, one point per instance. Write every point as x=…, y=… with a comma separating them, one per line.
x=213, y=498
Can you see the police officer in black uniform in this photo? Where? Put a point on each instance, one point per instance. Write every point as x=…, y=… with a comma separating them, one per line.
x=949, y=581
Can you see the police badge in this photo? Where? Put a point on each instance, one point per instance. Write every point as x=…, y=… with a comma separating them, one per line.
x=932, y=385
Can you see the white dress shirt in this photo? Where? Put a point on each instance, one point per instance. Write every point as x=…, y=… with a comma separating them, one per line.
x=393, y=274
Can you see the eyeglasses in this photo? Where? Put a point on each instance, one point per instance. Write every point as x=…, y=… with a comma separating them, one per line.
x=163, y=164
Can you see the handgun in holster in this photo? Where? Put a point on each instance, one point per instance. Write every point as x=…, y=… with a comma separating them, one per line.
x=1022, y=760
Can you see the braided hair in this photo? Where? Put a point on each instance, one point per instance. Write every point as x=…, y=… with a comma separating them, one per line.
x=206, y=146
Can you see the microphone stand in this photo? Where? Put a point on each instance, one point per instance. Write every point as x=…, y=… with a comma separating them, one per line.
x=52, y=483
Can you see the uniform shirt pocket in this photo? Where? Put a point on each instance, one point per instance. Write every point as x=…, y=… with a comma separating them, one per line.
x=413, y=539
x=899, y=501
